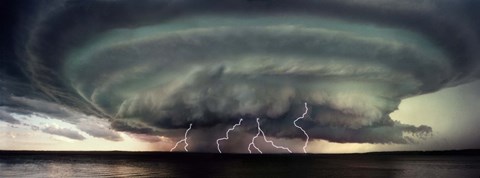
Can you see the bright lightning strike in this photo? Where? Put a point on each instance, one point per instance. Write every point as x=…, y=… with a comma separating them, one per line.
x=304, y=132
x=183, y=140
x=253, y=140
x=226, y=134
x=260, y=131
x=269, y=141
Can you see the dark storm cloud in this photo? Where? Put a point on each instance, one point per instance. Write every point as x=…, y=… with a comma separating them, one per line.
x=43, y=107
x=157, y=66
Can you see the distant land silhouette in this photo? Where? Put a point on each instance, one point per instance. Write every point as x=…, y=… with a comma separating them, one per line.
x=4, y=153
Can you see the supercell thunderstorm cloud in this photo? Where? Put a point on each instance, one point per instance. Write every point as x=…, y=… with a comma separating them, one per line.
x=156, y=67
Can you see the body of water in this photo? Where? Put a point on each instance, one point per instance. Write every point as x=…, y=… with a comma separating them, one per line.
x=112, y=164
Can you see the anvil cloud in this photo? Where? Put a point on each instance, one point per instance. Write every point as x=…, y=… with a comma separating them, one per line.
x=154, y=67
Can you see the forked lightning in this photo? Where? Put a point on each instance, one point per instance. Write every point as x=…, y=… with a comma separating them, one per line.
x=183, y=140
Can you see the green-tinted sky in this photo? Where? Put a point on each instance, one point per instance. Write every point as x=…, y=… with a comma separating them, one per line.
x=122, y=75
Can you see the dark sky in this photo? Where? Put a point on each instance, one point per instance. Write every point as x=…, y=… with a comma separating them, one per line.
x=155, y=67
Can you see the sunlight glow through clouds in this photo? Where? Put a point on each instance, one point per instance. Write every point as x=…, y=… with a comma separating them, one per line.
x=449, y=112
x=427, y=109
x=22, y=137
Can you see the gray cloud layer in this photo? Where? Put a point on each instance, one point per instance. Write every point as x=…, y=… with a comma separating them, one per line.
x=63, y=132
x=6, y=117
x=91, y=125
x=98, y=129
x=156, y=67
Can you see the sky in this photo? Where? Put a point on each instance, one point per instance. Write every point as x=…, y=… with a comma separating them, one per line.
x=376, y=75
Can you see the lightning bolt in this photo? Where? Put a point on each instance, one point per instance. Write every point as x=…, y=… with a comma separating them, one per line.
x=253, y=140
x=260, y=131
x=226, y=134
x=269, y=141
x=183, y=140
x=304, y=132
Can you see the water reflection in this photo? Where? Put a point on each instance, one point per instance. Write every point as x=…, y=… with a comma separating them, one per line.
x=238, y=166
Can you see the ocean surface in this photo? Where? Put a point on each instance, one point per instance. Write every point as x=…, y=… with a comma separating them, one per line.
x=132, y=164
